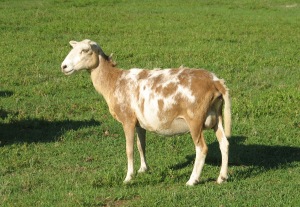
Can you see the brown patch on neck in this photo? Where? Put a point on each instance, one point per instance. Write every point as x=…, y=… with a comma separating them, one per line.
x=107, y=61
x=105, y=76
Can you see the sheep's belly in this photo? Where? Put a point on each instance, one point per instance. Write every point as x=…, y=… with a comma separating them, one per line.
x=177, y=126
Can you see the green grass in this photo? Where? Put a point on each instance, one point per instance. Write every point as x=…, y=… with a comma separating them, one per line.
x=59, y=145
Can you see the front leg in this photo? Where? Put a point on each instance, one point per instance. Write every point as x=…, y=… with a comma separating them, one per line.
x=129, y=134
x=141, y=143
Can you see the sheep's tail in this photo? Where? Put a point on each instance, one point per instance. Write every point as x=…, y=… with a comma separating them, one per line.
x=220, y=84
x=227, y=113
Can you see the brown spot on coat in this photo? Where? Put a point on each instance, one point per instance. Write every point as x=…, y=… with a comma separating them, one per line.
x=169, y=89
x=160, y=104
x=143, y=75
x=142, y=105
x=158, y=89
x=157, y=80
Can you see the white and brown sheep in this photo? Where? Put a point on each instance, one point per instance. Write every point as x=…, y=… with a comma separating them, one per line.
x=168, y=102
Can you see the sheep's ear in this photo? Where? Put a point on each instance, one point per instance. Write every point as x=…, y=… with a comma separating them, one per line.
x=73, y=43
x=87, y=41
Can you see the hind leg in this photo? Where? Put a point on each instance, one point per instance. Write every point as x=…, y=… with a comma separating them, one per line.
x=201, y=151
x=224, y=147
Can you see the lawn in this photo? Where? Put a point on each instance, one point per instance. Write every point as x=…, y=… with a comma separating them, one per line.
x=59, y=146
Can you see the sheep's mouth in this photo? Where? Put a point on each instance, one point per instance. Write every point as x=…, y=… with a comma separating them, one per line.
x=69, y=72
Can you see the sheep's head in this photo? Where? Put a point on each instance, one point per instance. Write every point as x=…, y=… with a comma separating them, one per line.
x=84, y=55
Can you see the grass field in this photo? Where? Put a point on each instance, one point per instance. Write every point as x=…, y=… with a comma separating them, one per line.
x=60, y=146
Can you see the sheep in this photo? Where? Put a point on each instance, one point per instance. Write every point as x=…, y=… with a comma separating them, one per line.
x=165, y=101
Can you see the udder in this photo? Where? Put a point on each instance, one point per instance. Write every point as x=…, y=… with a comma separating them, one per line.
x=211, y=120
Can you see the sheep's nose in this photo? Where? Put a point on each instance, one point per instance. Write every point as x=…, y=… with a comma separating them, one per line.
x=64, y=66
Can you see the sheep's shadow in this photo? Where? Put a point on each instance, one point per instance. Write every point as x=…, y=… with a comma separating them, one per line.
x=6, y=93
x=256, y=158
x=38, y=130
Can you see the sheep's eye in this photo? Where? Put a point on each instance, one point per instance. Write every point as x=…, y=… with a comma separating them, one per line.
x=84, y=51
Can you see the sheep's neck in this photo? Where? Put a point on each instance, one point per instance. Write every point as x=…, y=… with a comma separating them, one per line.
x=105, y=77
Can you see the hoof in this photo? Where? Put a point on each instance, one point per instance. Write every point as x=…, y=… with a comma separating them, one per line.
x=142, y=169
x=222, y=179
x=191, y=182
x=128, y=179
